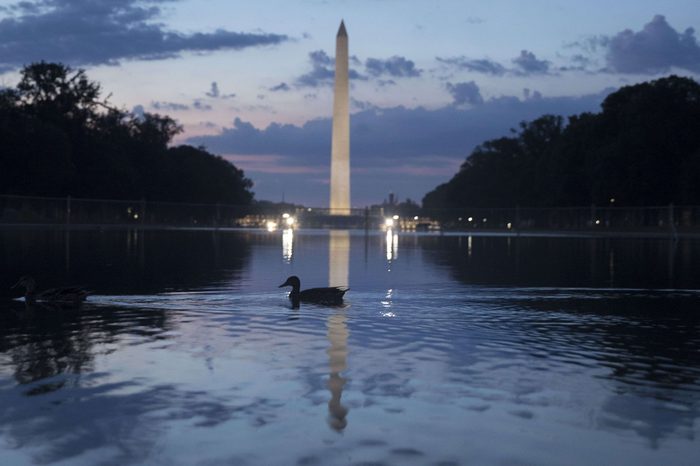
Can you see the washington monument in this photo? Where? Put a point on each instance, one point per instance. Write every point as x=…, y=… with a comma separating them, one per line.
x=340, y=145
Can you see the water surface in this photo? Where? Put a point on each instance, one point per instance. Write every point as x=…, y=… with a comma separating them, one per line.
x=449, y=350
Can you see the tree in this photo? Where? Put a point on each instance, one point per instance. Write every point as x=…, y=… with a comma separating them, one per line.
x=58, y=138
x=53, y=90
x=643, y=148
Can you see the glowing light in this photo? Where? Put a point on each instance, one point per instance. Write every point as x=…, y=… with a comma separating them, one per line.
x=392, y=245
x=460, y=219
x=597, y=222
x=415, y=218
x=285, y=215
x=484, y=220
x=612, y=200
x=289, y=220
x=287, y=244
x=395, y=217
x=136, y=216
x=509, y=225
x=270, y=225
x=389, y=222
x=309, y=209
x=469, y=219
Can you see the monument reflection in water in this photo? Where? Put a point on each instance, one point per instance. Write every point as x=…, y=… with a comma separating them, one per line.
x=338, y=273
x=338, y=270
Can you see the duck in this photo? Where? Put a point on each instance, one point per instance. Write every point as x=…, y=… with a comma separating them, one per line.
x=66, y=297
x=329, y=295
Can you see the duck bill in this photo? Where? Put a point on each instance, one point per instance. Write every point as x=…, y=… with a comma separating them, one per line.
x=283, y=285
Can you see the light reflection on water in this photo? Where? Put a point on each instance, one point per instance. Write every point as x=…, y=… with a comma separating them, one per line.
x=460, y=351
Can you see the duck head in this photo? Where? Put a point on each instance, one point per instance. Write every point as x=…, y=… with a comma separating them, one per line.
x=292, y=281
x=27, y=282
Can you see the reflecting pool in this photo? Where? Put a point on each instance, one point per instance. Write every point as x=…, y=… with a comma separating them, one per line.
x=449, y=350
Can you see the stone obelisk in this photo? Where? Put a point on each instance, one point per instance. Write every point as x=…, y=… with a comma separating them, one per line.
x=340, y=145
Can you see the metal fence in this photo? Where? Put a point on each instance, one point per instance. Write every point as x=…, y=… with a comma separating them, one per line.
x=69, y=212
x=72, y=211
x=663, y=219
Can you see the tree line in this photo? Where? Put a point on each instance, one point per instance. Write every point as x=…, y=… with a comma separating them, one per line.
x=643, y=148
x=58, y=137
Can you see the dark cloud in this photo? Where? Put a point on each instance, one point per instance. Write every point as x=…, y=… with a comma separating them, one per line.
x=655, y=49
x=396, y=66
x=138, y=111
x=169, y=106
x=466, y=93
x=528, y=94
x=90, y=32
x=323, y=71
x=199, y=105
x=361, y=105
x=284, y=87
x=527, y=63
x=214, y=91
x=407, y=150
x=391, y=135
x=483, y=65
x=579, y=62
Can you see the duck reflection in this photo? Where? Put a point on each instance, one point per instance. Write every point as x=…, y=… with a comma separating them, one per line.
x=41, y=345
x=338, y=270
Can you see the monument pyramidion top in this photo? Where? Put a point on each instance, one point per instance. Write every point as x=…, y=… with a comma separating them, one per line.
x=341, y=29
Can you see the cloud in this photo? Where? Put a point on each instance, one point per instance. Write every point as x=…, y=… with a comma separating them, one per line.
x=169, y=106
x=88, y=32
x=483, y=65
x=199, y=105
x=322, y=72
x=214, y=92
x=390, y=135
x=527, y=63
x=655, y=49
x=138, y=111
x=466, y=93
x=409, y=151
x=361, y=104
x=396, y=66
x=386, y=82
x=284, y=87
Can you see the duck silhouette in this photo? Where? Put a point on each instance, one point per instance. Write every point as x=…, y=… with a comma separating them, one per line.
x=66, y=297
x=332, y=295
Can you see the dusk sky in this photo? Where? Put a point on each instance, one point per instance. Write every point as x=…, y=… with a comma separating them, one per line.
x=430, y=79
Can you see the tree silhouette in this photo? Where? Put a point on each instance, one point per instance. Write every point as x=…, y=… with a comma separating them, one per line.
x=643, y=148
x=59, y=138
